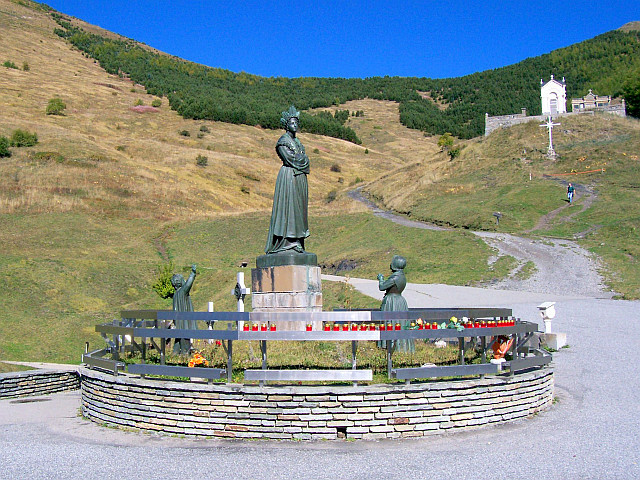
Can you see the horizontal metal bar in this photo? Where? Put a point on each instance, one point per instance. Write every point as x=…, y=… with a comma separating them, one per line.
x=140, y=314
x=364, y=315
x=444, y=371
x=310, y=317
x=309, y=375
x=529, y=362
x=446, y=313
x=311, y=336
x=111, y=329
x=176, y=371
x=102, y=363
x=316, y=335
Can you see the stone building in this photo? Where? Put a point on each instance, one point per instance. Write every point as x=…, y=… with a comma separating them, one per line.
x=605, y=103
x=554, y=97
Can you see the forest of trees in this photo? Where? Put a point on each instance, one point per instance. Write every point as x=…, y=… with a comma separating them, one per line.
x=603, y=63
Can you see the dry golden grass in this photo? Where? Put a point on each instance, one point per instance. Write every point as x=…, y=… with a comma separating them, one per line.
x=112, y=160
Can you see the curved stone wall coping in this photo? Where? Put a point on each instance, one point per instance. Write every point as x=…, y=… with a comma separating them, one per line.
x=312, y=412
x=37, y=382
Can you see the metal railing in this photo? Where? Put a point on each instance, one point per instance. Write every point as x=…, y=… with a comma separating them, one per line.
x=145, y=329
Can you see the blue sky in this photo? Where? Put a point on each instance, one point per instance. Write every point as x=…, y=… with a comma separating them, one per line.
x=354, y=38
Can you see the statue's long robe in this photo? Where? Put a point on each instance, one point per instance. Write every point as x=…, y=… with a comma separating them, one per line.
x=393, y=301
x=289, y=216
x=182, y=303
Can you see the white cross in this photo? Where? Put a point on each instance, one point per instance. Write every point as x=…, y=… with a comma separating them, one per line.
x=550, y=151
x=240, y=291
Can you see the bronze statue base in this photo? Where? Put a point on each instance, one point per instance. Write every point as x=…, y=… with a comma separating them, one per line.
x=288, y=257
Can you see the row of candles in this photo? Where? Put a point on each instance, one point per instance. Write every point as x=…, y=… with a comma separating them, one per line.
x=372, y=327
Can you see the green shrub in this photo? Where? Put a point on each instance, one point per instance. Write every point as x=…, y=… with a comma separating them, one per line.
x=245, y=189
x=200, y=135
x=25, y=66
x=366, y=151
x=22, y=138
x=185, y=133
x=156, y=103
x=138, y=102
x=162, y=286
x=454, y=152
x=47, y=157
x=10, y=64
x=316, y=151
x=331, y=196
x=204, y=129
x=56, y=106
x=336, y=168
x=4, y=147
x=202, y=161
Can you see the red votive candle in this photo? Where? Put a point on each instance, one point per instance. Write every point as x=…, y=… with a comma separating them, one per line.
x=263, y=327
x=336, y=327
x=309, y=327
x=327, y=327
x=254, y=327
x=398, y=326
x=272, y=327
x=245, y=327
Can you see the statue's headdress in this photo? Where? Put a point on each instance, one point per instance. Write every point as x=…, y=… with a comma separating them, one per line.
x=287, y=115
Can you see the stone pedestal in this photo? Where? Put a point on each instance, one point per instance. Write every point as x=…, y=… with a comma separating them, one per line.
x=555, y=340
x=287, y=288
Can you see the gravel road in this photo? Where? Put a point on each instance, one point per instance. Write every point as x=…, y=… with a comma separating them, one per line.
x=561, y=266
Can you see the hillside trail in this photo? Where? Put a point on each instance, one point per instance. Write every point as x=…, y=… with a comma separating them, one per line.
x=562, y=267
x=584, y=197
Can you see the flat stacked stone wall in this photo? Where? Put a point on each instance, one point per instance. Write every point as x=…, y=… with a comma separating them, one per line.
x=313, y=412
x=37, y=382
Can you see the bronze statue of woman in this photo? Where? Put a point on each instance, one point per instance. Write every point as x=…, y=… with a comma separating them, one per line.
x=393, y=301
x=289, y=225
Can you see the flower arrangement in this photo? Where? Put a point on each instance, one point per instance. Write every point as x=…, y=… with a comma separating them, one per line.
x=198, y=361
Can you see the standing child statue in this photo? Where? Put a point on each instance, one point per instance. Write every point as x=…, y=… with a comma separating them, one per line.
x=393, y=300
x=182, y=303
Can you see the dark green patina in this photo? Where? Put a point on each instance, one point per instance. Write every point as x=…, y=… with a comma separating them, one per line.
x=182, y=303
x=289, y=225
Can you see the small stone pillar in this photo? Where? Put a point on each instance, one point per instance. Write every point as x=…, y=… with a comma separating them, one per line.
x=294, y=286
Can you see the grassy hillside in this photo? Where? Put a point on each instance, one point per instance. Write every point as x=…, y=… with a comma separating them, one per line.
x=492, y=174
x=456, y=105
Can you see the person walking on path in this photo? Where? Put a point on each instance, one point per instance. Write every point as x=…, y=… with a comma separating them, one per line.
x=570, y=190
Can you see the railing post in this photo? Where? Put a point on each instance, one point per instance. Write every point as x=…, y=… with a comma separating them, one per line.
x=354, y=349
x=263, y=349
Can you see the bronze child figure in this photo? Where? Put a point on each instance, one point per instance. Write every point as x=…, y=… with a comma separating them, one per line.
x=182, y=303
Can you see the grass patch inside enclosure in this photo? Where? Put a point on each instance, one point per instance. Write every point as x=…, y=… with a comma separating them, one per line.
x=318, y=355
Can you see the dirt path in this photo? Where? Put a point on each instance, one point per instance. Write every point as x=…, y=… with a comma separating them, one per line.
x=584, y=197
x=562, y=267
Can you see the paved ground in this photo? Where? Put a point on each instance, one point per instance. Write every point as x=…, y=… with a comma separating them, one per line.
x=591, y=432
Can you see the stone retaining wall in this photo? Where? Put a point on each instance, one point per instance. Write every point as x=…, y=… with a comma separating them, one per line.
x=37, y=382
x=312, y=412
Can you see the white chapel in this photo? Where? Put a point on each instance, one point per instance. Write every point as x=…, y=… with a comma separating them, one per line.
x=554, y=96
